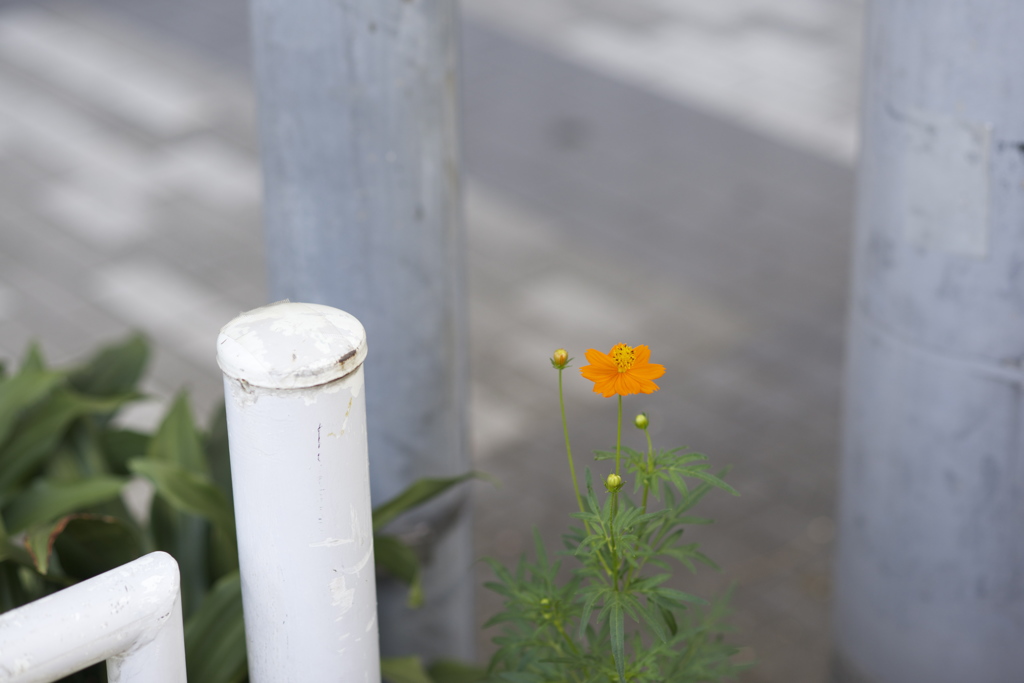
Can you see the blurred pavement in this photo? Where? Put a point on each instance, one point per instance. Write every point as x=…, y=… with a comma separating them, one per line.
x=677, y=173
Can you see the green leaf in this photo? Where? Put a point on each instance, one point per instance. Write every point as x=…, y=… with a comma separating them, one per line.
x=217, y=453
x=616, y=624
x=654, y=617
x=39, y=543
x=21, y=392
x=88, y=545
x=588, y=607
x=177, y=441
x=9, y=550
x=677, y=597
x=121, y=445
x=699, y=473
x=114, y=370
x=45, y=501
x=215, y=635
x=222, y=553
x=451, y=671
x=82, y=439
x=403, y=670
x=186, y=537
x=164, y=522
x=397, y=559
x=33, y=359
x=669, y=619
x=188, y=492
x=12, y=593
x=33, y=440
x=419, y=492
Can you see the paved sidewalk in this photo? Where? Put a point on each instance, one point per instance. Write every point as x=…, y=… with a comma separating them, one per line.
x=615, y=192
x=787, y=69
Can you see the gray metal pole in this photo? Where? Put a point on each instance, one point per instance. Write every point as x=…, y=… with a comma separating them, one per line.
x=930, y=565
x=357, y=107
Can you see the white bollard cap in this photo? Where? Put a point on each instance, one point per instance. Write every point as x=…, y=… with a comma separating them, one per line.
x=291, y=346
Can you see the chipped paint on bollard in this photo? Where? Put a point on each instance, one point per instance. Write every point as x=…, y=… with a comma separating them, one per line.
x=293, y=383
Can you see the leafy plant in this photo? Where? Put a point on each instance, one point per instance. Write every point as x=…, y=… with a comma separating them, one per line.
x=612, y=615
x=71, y=506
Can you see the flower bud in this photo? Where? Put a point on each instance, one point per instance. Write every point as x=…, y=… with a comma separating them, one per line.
x=613, y=483
x=641, y=421
x=559, y=359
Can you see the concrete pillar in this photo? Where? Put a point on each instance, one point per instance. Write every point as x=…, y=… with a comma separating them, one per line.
x=930, y=565
x=357, y=109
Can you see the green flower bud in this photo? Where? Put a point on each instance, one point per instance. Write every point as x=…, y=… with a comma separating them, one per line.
x=641, y=421
x=560, y=359
x=613, y=483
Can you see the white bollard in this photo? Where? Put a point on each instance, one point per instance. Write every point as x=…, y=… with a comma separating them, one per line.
x=129, y=616
x=293, y=383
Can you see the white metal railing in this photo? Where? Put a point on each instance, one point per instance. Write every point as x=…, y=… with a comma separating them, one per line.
x=129, y=616
x=293, y=384
x=296, y=413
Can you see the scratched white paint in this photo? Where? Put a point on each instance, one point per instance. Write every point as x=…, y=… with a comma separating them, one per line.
x=342, y=596
x=297, y=432
x=129, y=616
x=359, y=566
x=331, y=542
x=348, y=410
x=362, y=528
x=291, y=345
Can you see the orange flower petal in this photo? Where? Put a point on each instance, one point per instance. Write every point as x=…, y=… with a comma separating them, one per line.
x=649, y=371
x=648, y=387
x=643, y=354
x=627, y=385
x=604, y=372
x=601, y=359
x=597, y=374
x=605, y=387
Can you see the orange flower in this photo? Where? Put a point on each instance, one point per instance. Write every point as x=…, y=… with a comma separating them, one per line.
x=624, y=370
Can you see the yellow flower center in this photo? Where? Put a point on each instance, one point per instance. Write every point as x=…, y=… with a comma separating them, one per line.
x=624, y=356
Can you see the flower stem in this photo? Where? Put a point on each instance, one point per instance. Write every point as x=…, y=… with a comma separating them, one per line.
x=650, y=467
x=618, y=437
x=568, y=448
x=565, y=636
x=615, y=498
x=648, y=477
x=616, y=560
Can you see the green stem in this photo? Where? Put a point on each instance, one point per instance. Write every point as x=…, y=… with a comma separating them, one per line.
x=568, y=448
x=618, y=437
x=648, y=476
x=565, y=636
x=616, y=562
x=572, y=469
x=666, y=527
x=650, y=468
